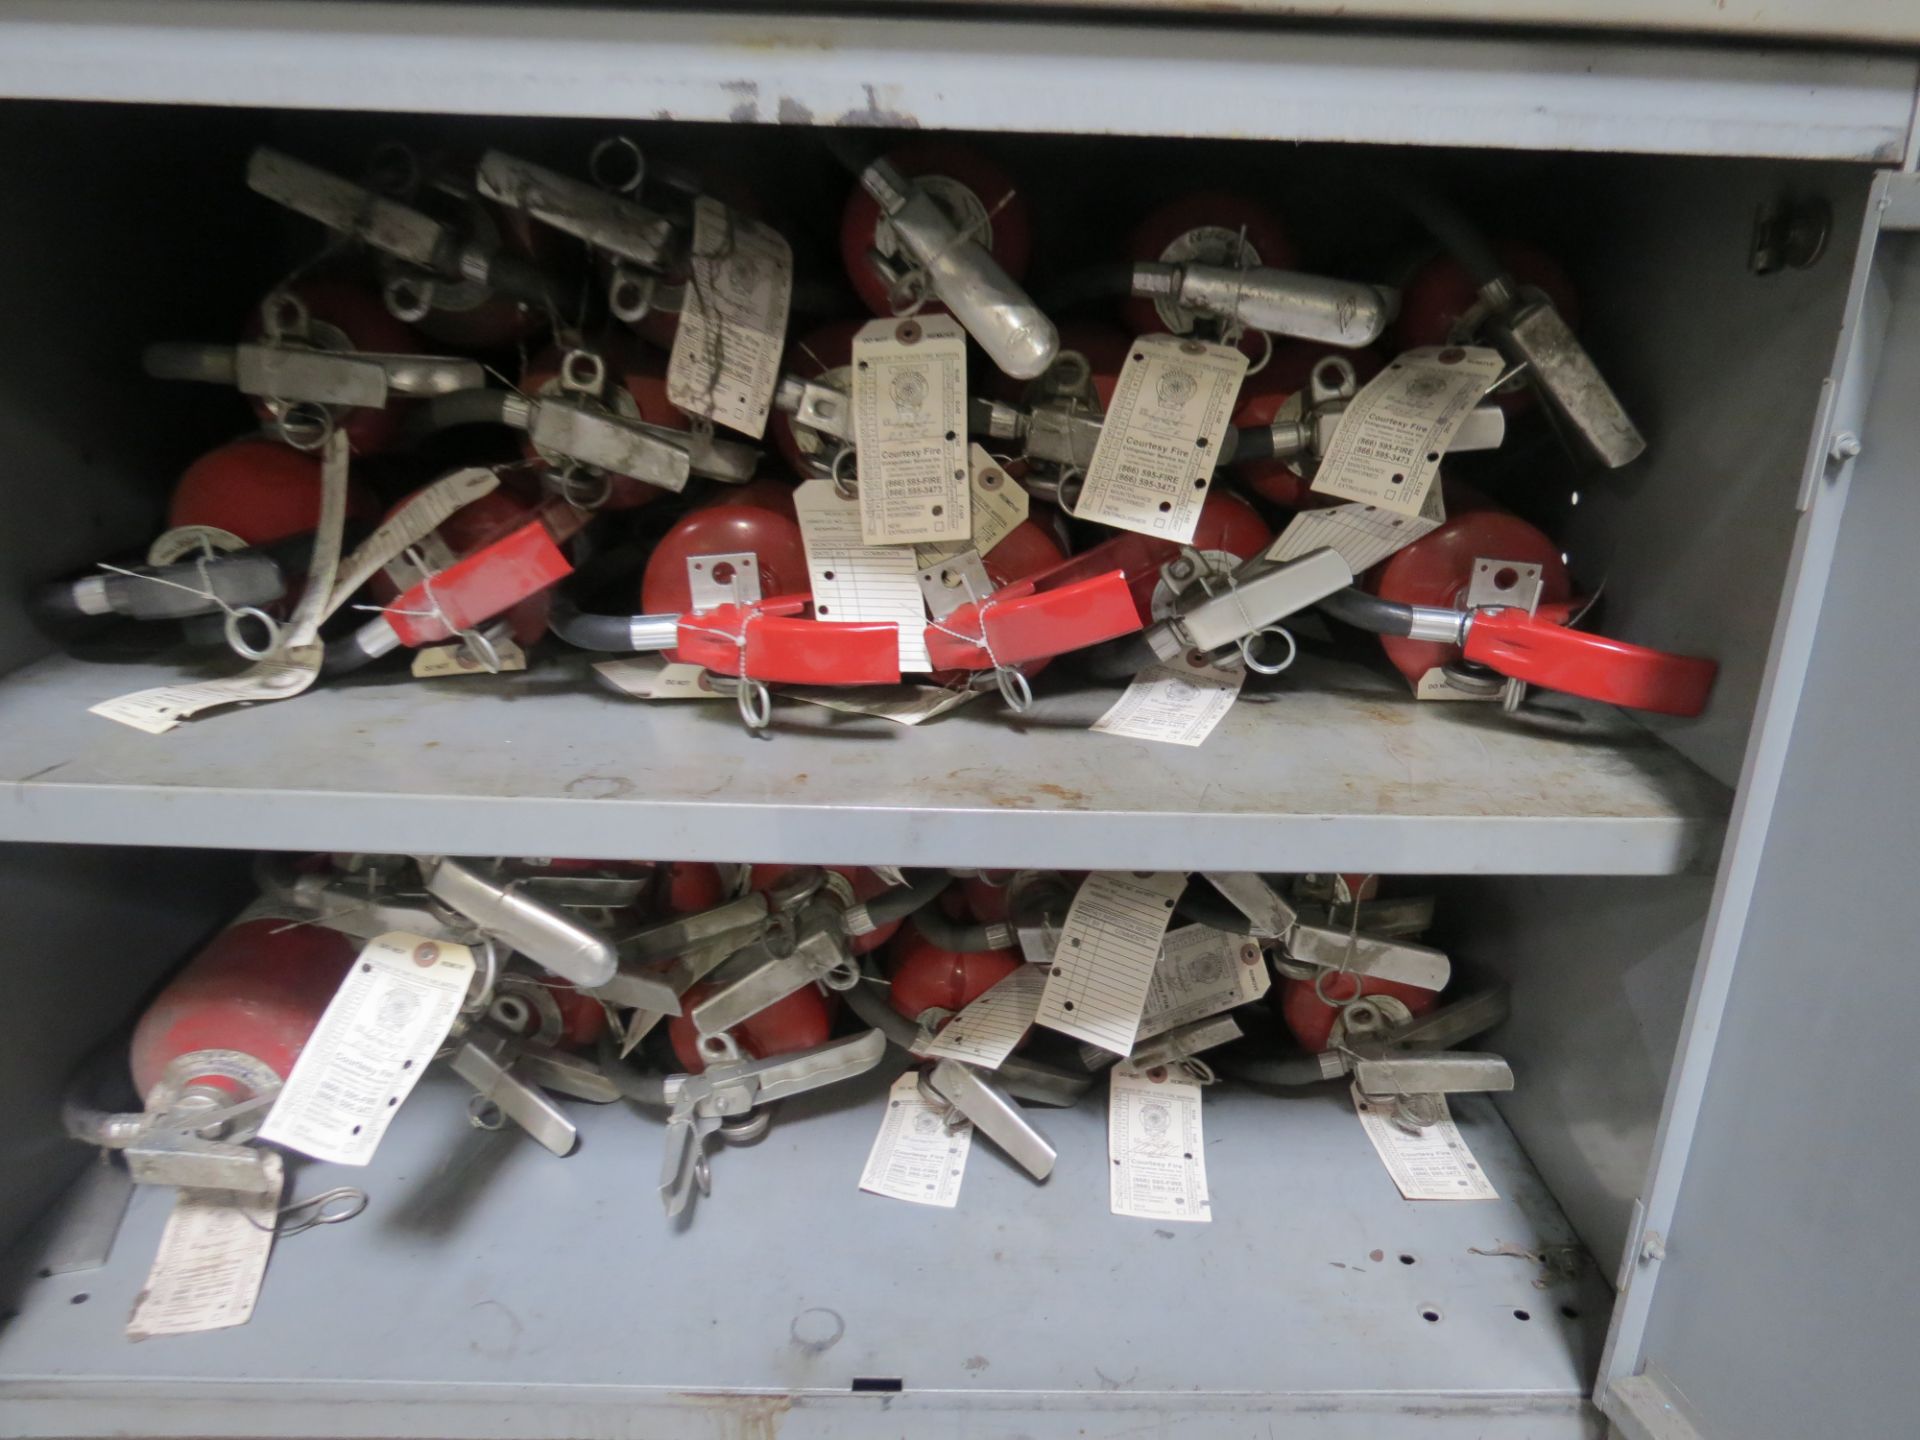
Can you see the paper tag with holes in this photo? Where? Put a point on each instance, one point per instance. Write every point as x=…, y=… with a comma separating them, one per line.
x=158, y=710
x=985, y=1032
x=1386, y=449
x=370, y=1048
x=646, y=678
x=212, y=1257
x=1363, y=535
x=915, y=1156
x=1156, y=1153
x=1432, y=1164
x=910, y=430
x=1103, y=964
x=437, y=661
x=1176, y=702
x=853, y=580
x=1162, y=435
x=1202, y=971
x=902, y=704
x=999, y=504
x=733, y=323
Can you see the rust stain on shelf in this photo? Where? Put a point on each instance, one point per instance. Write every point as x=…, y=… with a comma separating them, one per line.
x=741, y=1417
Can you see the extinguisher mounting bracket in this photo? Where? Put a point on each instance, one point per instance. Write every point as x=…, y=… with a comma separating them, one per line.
x=729, y=579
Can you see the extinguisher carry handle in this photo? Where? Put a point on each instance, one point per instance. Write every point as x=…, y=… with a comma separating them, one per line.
x=469, y=592
x=770, y=641
x=1527, y=647
x=1019, y=624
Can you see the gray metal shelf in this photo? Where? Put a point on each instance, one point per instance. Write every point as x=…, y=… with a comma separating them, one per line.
x=1341, y=770
x=490, y=1289
x=1214, y=75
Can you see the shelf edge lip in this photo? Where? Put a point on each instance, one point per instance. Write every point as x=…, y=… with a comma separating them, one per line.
x=978, y=71
x=171, y=1410
x=1090, y=838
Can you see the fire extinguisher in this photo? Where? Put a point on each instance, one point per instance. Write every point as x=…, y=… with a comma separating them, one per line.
x=1207, y=228
x=1481, y=623
x=258, y=491
x=926, y=977
x=1437, y=570
x=799, y=1022
x=1285, y=375
x=707, y=537
x=976, y=195
x=239, y=1013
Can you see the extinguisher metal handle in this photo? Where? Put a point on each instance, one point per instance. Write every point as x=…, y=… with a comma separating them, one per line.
x=1527, y=647
x=568, y=430
x=745, y=917
x=1347, y=313
x=542, y=934
x=964, y=276
x=607, y=221
x=357, y=379
x=769, y=641
x=1440, y=1072
x=485, y=1060
x=1258, y=593
x=962, y=1088
x=765, y=973
x=1534, y=334
x=1376, y=956
x=473, y=590
x=348, y=209
x=1020, y=623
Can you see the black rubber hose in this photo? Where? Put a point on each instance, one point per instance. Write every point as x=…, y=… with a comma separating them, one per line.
x=1369, y=612
x=610, y=633
x=909, y=899
x=1285, y=1071
x=1119, y=660
x=949, y=934
x=447, y=412
x=344, y=656
x=1448, y=224
x=1204, y=905
x=1084, y=287
x=1253, y=442
x=642, y=1087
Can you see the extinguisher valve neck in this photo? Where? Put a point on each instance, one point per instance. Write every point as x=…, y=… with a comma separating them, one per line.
x=1152, y=279
x=1445, y=627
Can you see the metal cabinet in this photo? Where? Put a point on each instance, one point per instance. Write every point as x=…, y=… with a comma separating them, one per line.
x=1730, y=1157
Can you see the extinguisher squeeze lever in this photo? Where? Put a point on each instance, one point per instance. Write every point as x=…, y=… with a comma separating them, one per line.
x=542, y=934
x=964, y=276
x=1221, y=615
x=357, y=379
x=964, y=1091
x=390, y=227
x=730, y=1088
x=614, y=224
x=1280, y=302
x=1533, y=648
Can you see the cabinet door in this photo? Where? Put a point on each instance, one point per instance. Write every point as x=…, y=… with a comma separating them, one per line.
x=1768, y=1289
